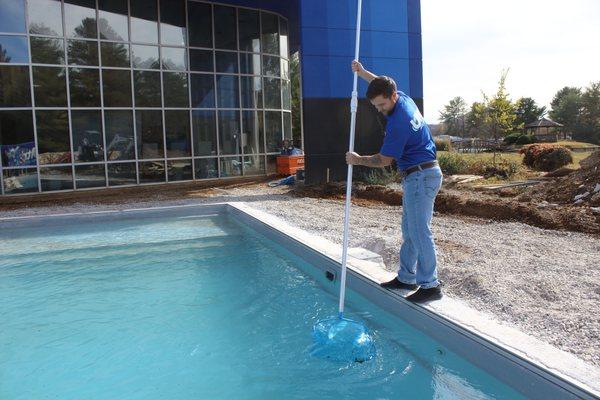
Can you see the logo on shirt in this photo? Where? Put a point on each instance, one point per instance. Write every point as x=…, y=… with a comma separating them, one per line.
x=417, y=121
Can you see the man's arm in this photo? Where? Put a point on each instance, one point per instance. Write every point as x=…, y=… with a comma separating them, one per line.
x=363, y=73
x=375, y=161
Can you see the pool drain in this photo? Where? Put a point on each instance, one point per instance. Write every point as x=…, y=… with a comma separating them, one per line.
x=330, y=276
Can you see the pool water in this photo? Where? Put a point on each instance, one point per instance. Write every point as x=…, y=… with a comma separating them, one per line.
x=194, y=308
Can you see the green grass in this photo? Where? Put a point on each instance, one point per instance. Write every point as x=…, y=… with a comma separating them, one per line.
x=571, y=144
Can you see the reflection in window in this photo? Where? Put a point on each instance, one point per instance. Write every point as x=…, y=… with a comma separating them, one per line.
x=146, y=86
x=14, y=81
x=249, y=25
x=120, y=174
x=271, y=164
x=145, y=57
x=177, y=130
x=227, y=91
x=229, y=132
x=80, y=18
x=252, y=133
x=49, y=87
x=227, y=62
x=206, y=168
x=172, y=22
x=56, y=178
x=204, y=132
x=286, y=91
x=272, y=93
x=45, y=17
x=200, y=24
x=112, y=21
x=225, y=28
x=21, y=180
x=287, y=126
x=201, y=60
x=16, y=138
x=179, y=170
x=285, y=69
x=174, y=59
x=88, y=145
x=203, y=91
x=231, y=166
x=84, y=86
x=144, y=17
x=152, y=171
x=273, y=131
x=251, y=92
x=82, y=52
x=250, y=64
x=270, y=35
x=175, y=89
x=118, y=126
x=47, y=50
x=283, y=38
x=54, y=145
x=116, y=85
x=14, y=49
x=149, y=130
x=89, y=176
x=12, y=16
x=114, y=54
x=254, y=165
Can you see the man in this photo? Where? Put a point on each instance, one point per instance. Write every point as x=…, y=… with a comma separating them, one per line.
x=408, y=141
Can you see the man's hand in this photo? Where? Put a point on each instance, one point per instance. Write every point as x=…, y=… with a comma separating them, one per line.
x=352, y=158
x=374, y=161
x=357, y=66
x=362, y=72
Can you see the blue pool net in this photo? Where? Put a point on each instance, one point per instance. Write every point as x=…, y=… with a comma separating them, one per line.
x=344, y=340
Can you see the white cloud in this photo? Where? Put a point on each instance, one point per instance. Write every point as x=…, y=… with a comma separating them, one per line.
x=547, y=44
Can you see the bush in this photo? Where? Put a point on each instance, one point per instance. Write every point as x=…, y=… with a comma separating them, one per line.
x=546, y=157
x=525, y=139
x=443, y=145
x=383, y=176
x=519, y=138
x=453, y=163
x=512, y=138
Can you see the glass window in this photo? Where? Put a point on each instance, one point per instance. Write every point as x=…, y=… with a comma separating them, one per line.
x=227, y=91
x=118, y=125
x=84, y=86
x=229, y=132
x=273, y=130
x=254, y=165
x=146, y=86
x=286, y=95
x=251, y=92
x=271, y=66
x=116, y=87
x=283, y=38
x=22, y=180
x=16, y=138
x=112, y=21
x=225, y=28
x=272, y=92
x=47, y=50
x=179, y=170
x=270, y=33
x=149, y=130
x=82, y=52
x=114, y=54
x=120, y=174
x=45, y=17
x=89, y=176
x=49, y=87
x=252, y=134
x=200, y=24
x=175, y=88
x=80, y=18
x=14, y=49
x=285, y=69
x=227, y=62
x=12, y=16
x=271, y=164
x=205, y=132
x=172, y=22
x=249, y=23
x=174, y=59
x=287, y=126
x=88, y=145
x=206, y=168
x=203, y=91
x=144, y=17
x=56, y=178
x=201, y=60
x=54, y=145
x=152, y=171
x=145, y=57
x=231, y=166
x=177, y=130
x=14, y=83
x=250, y=63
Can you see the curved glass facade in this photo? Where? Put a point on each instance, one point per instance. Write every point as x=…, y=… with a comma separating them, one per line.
x=102, y=93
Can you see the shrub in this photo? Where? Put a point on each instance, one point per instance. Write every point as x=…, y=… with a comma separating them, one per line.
x=383, y=176
x=453, y=163
x=443, y=145
x=512, y=138
x=546, y=157
x=525, y=139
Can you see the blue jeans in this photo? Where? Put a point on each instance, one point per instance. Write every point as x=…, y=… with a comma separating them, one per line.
x=418, y=259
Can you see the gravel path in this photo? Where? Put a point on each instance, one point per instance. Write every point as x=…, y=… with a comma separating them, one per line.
x=546, y=283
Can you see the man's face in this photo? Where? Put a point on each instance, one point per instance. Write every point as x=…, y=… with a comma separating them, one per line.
x=384, y=105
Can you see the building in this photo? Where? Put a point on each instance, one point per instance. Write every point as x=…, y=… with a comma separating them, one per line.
x=110, y=93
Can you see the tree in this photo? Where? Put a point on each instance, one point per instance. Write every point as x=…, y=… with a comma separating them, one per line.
x=295, y=89
x=589, y=118
x=476, y=120
x=566, y=106
x=501, y=111
x=453, y=116
x=527, y=111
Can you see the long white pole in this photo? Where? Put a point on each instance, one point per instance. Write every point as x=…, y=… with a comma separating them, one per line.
x=353, y=108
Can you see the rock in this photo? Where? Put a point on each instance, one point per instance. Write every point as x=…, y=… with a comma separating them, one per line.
x=578, y=201
x=597, y=188
x=596, y=210
x=581, y=196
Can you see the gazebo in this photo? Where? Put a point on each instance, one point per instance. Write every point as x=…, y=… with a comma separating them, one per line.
x=544, y=129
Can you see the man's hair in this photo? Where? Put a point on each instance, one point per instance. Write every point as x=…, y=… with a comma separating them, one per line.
x=382, y=85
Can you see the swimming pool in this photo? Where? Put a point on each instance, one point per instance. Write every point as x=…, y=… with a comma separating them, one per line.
x=196, y=302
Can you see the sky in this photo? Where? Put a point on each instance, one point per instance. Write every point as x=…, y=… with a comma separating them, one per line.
x=546, y=44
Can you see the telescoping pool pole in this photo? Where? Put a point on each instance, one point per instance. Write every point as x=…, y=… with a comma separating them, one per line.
x=353, y=109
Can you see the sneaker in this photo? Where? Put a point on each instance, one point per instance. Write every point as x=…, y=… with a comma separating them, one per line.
x=424, y=295
x=396, y=284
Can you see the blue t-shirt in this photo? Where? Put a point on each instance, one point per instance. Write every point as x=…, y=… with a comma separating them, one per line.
x=407, y=136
